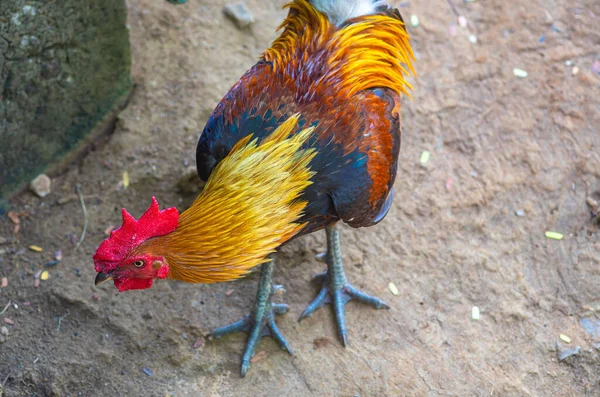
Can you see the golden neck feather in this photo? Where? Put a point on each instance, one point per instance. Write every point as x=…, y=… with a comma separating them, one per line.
x=366, y=53
x=248, y=208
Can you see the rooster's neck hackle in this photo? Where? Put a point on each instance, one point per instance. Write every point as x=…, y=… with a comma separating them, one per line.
x=249, y=206
x=365, y=52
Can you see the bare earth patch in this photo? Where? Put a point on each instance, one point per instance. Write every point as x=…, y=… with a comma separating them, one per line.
x=511, y=158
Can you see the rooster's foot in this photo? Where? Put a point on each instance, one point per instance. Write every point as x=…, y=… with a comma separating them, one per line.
x=261, y=322
x=336, y=290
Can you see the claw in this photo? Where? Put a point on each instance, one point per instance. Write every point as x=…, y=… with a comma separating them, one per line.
x=335, y=289
x=364, y=298
x=320, y=277
x=262, y=320
x=338, y=307
x=278, y=289
x=321, y=257
x=280, y=308
x=276, y=334
x=319, y=301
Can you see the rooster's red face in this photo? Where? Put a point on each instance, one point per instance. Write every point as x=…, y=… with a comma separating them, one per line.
x=119, y=258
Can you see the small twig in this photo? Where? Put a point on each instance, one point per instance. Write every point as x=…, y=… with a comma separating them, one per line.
x=60, y=321
x=453, y=8
x=5, y=379
x=5, y=307
x=85, y=218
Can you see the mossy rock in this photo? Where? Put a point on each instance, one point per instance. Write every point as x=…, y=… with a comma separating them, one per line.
x=65, y=70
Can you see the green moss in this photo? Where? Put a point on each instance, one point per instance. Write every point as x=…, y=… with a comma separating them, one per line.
x=63, y=69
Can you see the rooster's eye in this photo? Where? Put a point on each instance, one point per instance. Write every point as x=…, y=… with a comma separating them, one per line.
x=138, y=263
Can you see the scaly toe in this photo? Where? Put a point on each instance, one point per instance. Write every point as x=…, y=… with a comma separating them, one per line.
x=364, y=298
x=280, y=308
x=317, y=303
x=242, y=325
x=320, y=278
x=276, y=334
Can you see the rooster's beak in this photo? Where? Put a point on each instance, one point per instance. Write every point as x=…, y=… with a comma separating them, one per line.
x=102, y=277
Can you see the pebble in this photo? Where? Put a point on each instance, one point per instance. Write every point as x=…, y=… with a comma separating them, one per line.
x=3, y=240
x=4, y=331
x=448, y=184
x=414, y=20
x=41, y=185
x=198, y=343
x=575, y=70
x=564, y=338
x=520, y=72
x=462, y=21
x=554, y=235
x=239, y=14
x=36, y=248
x=393, y=288
x=9, y=321
x=591, y=326
x=14, y=217
x=190, y=182
x=473, y=39
x=4, y=282
x=148, y=371
x=520, y=213
x=259, y=356
x=566, y=353
x=475, y=313
x=424, y=157
x=45, y=275
x=596, y=67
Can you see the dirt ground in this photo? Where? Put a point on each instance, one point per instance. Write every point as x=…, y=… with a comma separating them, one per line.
x=499, y=144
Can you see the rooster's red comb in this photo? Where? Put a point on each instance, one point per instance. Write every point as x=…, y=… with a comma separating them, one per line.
x=152, y=223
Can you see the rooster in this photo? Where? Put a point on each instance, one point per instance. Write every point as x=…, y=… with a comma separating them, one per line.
x=308, y=137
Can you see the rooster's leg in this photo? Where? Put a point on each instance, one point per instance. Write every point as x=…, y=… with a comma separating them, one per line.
x=261, y=321
x=336, y=289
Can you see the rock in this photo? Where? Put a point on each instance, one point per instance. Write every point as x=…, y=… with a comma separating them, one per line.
x=41, y=185
x=239, y=14
x=147, y=316
x=520, y=213
x=190, y=182
x=3, y=240
x=51, y=105
x=2, y=339
x=4, y=331
x=591, y=326
x=564, y=353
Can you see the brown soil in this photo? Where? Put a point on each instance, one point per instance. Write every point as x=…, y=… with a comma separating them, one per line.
x=498, y=144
